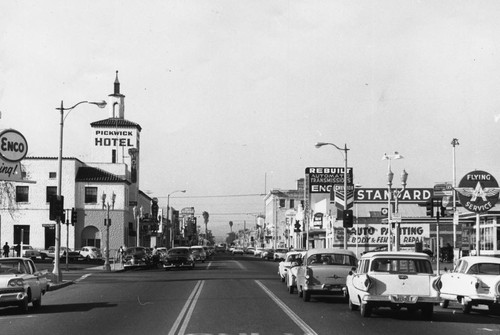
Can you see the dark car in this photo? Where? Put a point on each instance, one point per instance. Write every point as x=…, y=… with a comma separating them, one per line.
x=136, y=257
x=178, y=257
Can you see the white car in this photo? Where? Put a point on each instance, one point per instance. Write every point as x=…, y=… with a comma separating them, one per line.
x=90, y=252
x=238, y=251
x=289, y=260
x=258, y=251
x=291, y=273
x=21, y=283
x=474, y=281
x=393, y=279
x=324, y=271
x=29, y=252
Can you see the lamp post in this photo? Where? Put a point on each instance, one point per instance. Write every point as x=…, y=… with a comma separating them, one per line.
x=101, y=104
x=390, y=176
x=345, y=149
x=454, y=143
x=168, y=217
x=107, y=223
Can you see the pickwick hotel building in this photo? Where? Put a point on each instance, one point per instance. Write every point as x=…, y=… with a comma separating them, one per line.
x=109, y=181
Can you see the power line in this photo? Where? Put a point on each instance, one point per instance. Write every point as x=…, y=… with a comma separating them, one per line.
x=214, y=196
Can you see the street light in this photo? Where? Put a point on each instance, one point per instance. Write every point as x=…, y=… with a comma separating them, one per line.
x=454, y=143
x=106, y=205
x=168, y=218
x=345, y=149
x=390, y=176
x=62, y=109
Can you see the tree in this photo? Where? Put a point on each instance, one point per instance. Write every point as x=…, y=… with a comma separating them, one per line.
x=231, y=225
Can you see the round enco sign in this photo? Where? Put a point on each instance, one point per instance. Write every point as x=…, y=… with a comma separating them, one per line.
x=13, y=145
x=478, y=191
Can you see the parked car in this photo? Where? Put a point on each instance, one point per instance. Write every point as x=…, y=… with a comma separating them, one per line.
x=29, y=252
x=199, y=253
x=289, y=261
x=324, y=272
x=136, y=257
x=90, y=252
x=21, y=283
x=279, y=254
x=291, y=273
x=267, y=254
x=474, y=281
x=51, y=251
x=250, y=250
x=238, y=251
x=399, y=279
x=178, y=257
x=258, y=252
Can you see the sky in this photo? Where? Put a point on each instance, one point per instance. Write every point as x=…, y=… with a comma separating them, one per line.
x=232, y=95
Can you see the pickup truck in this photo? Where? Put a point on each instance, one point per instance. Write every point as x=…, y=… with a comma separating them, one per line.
x=50, y=253
x=21, y=283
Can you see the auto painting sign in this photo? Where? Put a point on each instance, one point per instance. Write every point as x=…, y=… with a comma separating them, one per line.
x=478, y=191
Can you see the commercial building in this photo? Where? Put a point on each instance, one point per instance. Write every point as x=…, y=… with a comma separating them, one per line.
x=105, y=188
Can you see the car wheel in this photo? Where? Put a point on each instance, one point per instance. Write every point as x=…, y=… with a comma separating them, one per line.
x=466, y=306
x=38, y=303
x=427, y=311
x=23, y=305
x=352, y=306
x=306, y=296
x=444, y=303
x=365, y=310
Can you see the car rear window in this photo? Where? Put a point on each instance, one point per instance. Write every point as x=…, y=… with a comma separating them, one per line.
x=331, y=259
x=178, y=252
x=401, y=265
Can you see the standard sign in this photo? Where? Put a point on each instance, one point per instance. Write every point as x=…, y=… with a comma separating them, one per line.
x=13, y=145
x=478, y=191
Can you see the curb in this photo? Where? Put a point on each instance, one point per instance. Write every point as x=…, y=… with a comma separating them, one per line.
x=57, y=286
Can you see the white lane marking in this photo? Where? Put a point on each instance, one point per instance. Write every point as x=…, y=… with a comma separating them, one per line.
x=184, y=309
x=295, y=318
x=83, y=277
x=210, y=263
x=240, y=265
x=190, y=311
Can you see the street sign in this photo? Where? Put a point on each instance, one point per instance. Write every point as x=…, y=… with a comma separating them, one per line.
x=478, y=191
x=13, y=145
x=339, y=196
x=443, y=189
x=396, y=217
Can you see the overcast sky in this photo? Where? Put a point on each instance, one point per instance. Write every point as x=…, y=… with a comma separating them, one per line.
x=232, y=95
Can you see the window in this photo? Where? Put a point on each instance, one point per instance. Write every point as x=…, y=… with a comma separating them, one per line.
x=21, y=231
x=22, y=193
x=52, y=175
x=90, y=195
x=292, y=203
x=51, y=191
x=282, y=203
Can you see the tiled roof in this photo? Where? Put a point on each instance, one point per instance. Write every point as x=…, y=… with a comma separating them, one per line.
x=116, y=122
x=87, y=173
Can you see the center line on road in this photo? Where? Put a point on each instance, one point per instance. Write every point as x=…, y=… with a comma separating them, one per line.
x=187, y=310
x=291, y=314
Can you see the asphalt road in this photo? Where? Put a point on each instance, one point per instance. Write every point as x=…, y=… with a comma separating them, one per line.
x=225, y=295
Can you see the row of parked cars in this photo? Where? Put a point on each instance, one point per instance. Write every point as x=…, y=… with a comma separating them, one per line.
x=394, y=280
x=87, y=252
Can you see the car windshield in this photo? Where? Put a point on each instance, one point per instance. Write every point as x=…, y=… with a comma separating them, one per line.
x=401, y=265
x=12, y=266
x=331, y=259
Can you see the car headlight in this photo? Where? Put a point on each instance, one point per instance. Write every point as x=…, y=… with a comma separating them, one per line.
x=16, y=282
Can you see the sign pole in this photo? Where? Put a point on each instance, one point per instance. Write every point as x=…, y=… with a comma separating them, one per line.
x=478, y=233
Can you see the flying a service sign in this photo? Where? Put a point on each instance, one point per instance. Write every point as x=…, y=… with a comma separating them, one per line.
x=478, y=191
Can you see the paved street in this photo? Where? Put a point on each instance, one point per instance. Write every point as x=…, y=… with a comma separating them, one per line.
x=225, y=295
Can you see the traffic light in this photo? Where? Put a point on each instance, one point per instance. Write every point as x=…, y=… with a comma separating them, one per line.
x=442, y=210
x=56, y=208
x=154, y=210
x=347, y=218
x=429, y=208
x=74, y=216
x=297, y=227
